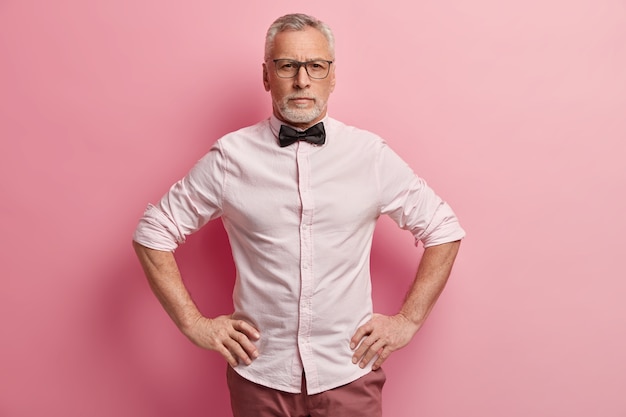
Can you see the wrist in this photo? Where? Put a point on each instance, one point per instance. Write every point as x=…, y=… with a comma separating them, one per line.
x=188, y=323
x=411, y=319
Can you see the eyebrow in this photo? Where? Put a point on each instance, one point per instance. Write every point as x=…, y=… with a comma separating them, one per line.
x=308, y=60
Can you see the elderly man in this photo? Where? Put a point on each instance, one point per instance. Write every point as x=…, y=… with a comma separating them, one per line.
x=299, y=195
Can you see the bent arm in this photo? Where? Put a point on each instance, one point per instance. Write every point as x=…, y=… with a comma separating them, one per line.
x=164, y=277
x=431, y=278
x=383, y=335
x=229, y=337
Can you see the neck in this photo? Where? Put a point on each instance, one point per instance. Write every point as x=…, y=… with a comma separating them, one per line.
x=300, y=125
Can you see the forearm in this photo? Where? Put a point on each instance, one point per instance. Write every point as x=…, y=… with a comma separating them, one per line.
x=164, y=277
x=430, y=280
x=229, y=337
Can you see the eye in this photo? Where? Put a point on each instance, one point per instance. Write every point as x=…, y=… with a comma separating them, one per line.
x=317, y=69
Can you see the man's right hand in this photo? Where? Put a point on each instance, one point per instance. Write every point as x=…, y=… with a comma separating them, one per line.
x=229, y=337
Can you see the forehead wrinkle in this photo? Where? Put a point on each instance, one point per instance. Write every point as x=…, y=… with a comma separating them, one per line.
x=304, y=61
x=302, y=45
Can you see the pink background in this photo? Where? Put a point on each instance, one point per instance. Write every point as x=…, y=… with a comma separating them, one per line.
x=513, y=111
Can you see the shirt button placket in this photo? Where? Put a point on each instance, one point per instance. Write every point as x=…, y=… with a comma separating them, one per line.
x=306, y=262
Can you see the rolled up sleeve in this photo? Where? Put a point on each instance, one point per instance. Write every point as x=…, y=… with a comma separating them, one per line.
x=186, y=207
x=413, y=205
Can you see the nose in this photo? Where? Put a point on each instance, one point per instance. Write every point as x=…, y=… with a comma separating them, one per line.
x=302, y=80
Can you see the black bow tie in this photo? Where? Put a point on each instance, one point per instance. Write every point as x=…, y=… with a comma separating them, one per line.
x=315, y=134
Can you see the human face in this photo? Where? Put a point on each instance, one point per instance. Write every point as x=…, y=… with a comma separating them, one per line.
x=300, y=101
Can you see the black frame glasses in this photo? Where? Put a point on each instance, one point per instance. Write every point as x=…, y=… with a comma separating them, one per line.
x=317, y=69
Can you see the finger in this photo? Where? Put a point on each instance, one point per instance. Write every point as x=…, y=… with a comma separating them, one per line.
x=227, y=354
x=237, y=351
x=246, y=328
x=364, y=347
x=366, y=350
x=382, y=357
x=374, y=349
x=246, y=344
x=360, y=333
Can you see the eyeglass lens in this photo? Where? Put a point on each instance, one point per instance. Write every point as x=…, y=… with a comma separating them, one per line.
x=287, y=68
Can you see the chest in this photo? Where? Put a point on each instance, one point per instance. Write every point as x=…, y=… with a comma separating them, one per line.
x=333, y=190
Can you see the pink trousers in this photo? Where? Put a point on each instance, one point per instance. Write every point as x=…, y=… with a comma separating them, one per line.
x=360, y=398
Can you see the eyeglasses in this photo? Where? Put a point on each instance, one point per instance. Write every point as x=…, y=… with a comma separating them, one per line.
x=288, y=68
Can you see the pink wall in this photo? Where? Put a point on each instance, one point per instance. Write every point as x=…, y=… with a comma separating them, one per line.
x=514, y=111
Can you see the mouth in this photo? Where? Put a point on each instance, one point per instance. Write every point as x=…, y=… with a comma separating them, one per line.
x=301, y=100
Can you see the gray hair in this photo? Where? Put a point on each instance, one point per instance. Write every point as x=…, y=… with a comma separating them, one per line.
x=297, y=21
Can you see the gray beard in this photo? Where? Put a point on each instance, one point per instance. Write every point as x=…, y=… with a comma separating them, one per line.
x=299, y=116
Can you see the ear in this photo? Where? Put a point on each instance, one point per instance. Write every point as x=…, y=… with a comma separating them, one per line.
x=332, y=79
x=266, y=81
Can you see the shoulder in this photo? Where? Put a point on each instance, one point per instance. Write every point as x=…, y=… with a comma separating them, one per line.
x=245, y=134
x=354, y=136
x=247, y=140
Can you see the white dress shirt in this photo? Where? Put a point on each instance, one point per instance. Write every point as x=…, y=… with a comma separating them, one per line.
x=300, y=221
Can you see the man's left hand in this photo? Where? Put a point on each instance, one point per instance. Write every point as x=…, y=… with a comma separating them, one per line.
x=380, y=336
